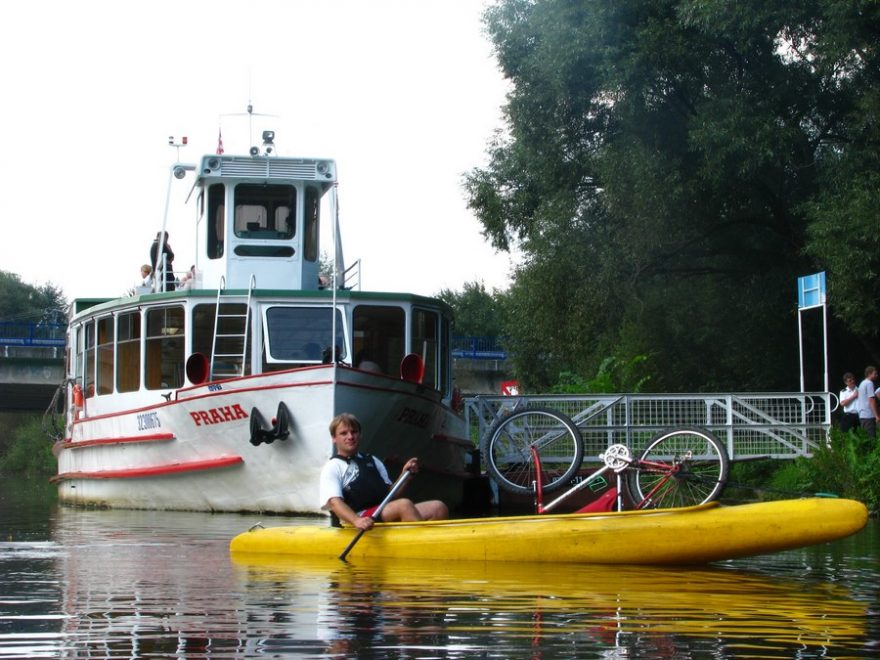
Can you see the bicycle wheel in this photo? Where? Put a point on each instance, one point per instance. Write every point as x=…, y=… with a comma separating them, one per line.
x=680, y=467
x=556, y=440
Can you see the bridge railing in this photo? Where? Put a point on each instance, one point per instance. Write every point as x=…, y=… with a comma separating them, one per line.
x=19, y=333
x=752, y=425
x=478, y=348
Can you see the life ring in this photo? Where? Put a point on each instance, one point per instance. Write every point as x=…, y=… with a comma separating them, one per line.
x=78, y=396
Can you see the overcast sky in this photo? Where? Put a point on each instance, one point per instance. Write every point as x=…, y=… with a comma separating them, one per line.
x=404, y=94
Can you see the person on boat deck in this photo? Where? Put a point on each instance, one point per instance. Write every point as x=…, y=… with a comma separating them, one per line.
x=146, y=275
x=156, y=261
x=353, y=484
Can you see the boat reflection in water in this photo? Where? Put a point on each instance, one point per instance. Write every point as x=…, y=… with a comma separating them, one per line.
x=506, y=608
x=124, y=584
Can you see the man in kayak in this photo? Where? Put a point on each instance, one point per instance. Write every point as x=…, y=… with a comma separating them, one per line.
x=353, y=484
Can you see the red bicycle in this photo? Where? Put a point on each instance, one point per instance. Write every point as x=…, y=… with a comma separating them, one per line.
x=536, y=451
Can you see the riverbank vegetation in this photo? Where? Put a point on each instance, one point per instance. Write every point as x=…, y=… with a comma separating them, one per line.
x=849, y=466
x=668, y=170
x=29, y=451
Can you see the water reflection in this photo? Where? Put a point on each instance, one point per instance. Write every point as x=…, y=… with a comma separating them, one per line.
x=506, y=608
x=113, y=584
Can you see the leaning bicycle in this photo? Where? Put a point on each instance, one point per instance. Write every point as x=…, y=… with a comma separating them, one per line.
x=536, y=451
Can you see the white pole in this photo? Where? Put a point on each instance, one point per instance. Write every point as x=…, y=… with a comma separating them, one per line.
x=334, y=210
x=801, y=349
x=825, y=340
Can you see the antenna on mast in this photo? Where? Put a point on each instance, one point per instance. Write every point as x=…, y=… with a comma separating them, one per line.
x=250, y=115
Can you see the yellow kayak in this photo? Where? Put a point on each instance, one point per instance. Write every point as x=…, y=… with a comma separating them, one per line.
x=691, y=535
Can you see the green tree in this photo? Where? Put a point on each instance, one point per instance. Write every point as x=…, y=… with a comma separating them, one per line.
x=25, y=302
x=662, y=165
x=478, y=313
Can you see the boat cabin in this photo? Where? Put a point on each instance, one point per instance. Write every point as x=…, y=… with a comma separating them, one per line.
x=257, y=303
x=259, y=217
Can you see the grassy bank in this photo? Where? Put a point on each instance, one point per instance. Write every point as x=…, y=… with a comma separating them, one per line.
x=849, y=466
x=27, y=450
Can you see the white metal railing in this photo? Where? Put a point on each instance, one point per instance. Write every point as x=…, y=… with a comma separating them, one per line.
x=752, y=425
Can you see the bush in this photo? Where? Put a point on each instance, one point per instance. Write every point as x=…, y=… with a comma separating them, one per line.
x=30, y=452
x=849, y=467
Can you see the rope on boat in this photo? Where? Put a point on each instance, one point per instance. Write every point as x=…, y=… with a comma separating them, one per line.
x=53, y=417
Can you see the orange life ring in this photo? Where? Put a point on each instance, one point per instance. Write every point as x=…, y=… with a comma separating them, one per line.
x=78, y=395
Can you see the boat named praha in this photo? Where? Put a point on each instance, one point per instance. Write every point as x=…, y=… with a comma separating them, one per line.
x=214, y=392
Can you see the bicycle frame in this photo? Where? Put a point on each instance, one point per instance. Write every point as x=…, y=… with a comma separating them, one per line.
x=617, y=458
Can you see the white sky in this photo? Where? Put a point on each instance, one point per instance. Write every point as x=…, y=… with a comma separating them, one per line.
x=404, y=94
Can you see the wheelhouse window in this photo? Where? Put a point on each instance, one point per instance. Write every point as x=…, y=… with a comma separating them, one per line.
x=164, y=348
x=216, y=220
x=265, y=211
x=302, y=334
x=128, y=351
x=379, y=338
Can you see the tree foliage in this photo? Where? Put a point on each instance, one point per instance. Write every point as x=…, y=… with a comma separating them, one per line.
x=669, y=170
x=478, y=313
x=25, y=302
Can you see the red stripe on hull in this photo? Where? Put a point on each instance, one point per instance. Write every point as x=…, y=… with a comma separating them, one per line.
x=158, y=437
x=153, y=471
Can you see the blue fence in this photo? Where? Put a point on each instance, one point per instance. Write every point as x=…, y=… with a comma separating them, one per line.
x=16, y=333
x=478, y=348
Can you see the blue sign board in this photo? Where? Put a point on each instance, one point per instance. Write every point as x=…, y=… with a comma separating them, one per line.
x=811, y=290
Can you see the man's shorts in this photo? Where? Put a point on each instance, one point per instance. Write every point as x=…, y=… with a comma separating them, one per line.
x=369, y=512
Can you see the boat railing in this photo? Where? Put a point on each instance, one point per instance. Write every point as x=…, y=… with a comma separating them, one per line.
x=752, y=425
x=351, y=277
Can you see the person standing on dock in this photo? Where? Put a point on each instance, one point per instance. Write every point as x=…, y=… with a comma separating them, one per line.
x=868, y=413
x=849, y=403
x=353, y=484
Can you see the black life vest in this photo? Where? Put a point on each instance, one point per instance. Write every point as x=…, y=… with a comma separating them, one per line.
x=367, y=488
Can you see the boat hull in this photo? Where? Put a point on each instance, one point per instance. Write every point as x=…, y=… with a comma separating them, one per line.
x=194, y=452
x=692, y=535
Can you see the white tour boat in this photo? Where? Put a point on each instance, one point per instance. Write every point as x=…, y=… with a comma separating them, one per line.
x=217, y=396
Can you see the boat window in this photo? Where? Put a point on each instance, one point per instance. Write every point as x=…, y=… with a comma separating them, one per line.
x=229, y=340
x=312, y=221
x=302, y=334
x=104, y=380
x=164, y=348
x=87, y=360
x=263, y=250
x=379, y=338
x=425, y=342
x=265, y=211
x=128, y=351
x=216, y=220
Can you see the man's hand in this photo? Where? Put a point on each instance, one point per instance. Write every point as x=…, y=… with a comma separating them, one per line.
x=412, y=465
x=364, y=522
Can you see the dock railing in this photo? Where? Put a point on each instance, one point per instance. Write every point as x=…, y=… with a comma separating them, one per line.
x=752, y=425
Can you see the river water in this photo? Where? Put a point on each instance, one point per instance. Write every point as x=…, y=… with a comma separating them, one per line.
x=80, y=583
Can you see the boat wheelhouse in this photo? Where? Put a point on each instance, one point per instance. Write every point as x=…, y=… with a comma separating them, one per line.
x=217, y=394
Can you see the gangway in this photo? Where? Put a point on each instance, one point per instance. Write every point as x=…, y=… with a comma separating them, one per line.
x=752, y=425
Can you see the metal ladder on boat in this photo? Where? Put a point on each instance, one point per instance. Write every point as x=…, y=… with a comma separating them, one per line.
x=229, y=347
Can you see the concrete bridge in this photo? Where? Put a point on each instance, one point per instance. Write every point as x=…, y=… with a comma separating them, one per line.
x=31, y=364
x=27, y=382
